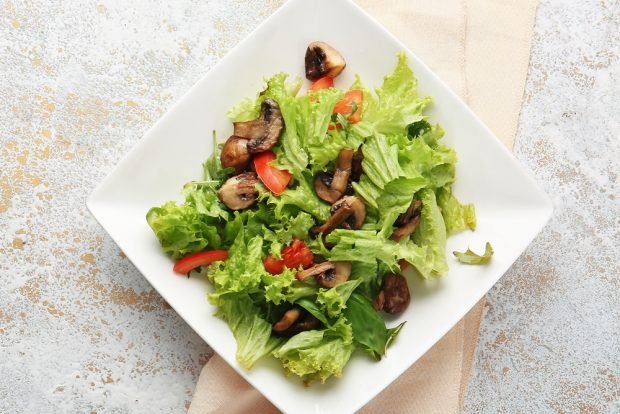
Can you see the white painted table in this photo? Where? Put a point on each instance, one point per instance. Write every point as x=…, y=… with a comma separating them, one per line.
x=82, y=331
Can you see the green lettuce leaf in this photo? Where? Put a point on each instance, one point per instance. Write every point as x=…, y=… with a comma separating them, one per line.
x=242, y=271
x=333, y=301
x=318, y=354
x=367, y=246
x=213, y=173
x=369, y=330
x=469, y=257
x=181, y=230
x=395, y=200
x=286, y=288
x=431, y=232
x=252, y=333
x=277, y=87
x=303, y=198
x=457, y=216
x=397, y=104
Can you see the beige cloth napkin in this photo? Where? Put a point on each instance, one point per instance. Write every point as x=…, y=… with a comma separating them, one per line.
x=481, y=49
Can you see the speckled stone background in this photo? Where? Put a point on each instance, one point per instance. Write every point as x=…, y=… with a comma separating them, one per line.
x=82, y=331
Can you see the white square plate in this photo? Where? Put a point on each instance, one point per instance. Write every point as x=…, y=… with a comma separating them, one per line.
x=511, y=208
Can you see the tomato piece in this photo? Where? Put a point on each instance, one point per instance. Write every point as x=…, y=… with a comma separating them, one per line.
x=346, y=106
x=274, y=179
x=323, y=83
x=297, y=254
x=188, y=263
x=273, y=265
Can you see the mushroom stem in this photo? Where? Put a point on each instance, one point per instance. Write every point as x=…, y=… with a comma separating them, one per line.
x=343, y=170
x=315, y=270
x=348, y=211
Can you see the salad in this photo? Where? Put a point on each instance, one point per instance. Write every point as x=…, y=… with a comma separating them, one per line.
x=308, y=214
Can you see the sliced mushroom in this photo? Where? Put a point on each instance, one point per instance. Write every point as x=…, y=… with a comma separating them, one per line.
x=408, y=221
x=394, y=297
x=288, y=319
x=343, y=170
x=327, y=274
x=349, y=212
x=356, y=166
x=333, y=277
x=239, y=192
x=235, y=154
x=413, y=210
x=294, y=321
x=331, y=187
x=315, y=270
x=272, y=117
x=323, y=60
x=250, y=129
x=323, y=187
x=357, y=209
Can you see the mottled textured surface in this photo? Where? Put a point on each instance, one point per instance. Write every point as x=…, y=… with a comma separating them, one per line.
x=82, y=331
x=550, y=337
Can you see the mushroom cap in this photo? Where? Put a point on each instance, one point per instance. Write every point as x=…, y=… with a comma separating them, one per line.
x=323, y=60
x=235, y=154
x=272, y=117
x=395, y=292
x=336, y=276
x=322, y=186
x=239, y=192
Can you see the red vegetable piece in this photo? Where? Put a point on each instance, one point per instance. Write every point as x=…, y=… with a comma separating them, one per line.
x=345, y=106
x=189, y=263
x=275, y=180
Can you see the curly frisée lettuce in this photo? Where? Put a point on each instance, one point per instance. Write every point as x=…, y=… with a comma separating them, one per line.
x=312, y=317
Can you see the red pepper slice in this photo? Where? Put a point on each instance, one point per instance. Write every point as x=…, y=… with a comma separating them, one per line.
x=274, y=179
x=323, y=83
x=188, y=263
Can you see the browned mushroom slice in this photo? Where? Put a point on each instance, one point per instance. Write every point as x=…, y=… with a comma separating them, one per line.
x=294, y=321
x=235, y=154
x=394, y=296
x=315, y=270
x=288, y=319
x=239, y=192
x=412, y=211
x=343, y=170
x=306, y=322
x=356, y=166
x=250, y=129
x=323, y=60
x=322, y=185
x=271, y=115
x=408, y=221
x=357, y=212
x=349, y=212
x=333, y=277
x=405, y=230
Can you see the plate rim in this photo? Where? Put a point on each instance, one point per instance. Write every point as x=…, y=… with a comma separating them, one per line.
x=545, y=207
